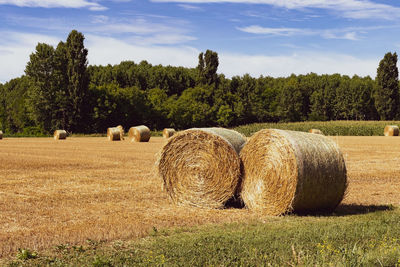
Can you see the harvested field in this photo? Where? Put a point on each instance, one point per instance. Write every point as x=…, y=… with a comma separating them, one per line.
x=54, y=193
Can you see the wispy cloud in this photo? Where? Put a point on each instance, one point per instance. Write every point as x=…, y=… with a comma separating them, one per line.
x=91, y=5
x=190, y=7
x=347, y=33
x=356, y=9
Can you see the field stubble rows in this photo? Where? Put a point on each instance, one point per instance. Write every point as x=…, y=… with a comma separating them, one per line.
x=59, y=192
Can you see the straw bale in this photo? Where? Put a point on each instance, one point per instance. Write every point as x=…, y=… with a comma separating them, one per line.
x=288, y=171
x=121, y=132
x=316, y=131
x=113, y=134
x=1, y=135
x=139, y=134
x=391, y=130
x=168, y=132
x=60, y=135
x=201, y=167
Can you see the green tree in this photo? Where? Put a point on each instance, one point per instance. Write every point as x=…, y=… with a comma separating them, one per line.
x=387, y=89
x=207, y=68
x=78, y=80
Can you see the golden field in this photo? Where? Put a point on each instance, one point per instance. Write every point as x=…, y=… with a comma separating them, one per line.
x=69, y=191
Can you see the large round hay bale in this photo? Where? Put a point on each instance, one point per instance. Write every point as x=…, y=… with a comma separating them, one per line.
x=391, y=130
x=113, y=134
x=1, y=135
x=121, y=132
x=316, y=131
x=201, y=167
x=168, y=132
x=288, y=171
x=139, y=133
x=60, y=134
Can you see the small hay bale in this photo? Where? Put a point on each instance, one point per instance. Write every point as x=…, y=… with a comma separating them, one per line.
x=1, y=135
x=391, y=130
x=288, y=171
x=316, y=131
x=121, y=132
x=139, y=134
x=201, y=167
x=60, y=135
x=113, y=134
x=168, y=132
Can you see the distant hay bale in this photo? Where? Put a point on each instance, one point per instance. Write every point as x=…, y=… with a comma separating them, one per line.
x=113, y=134
x=139, y=133
x=316, y=131
x=60, y=135
x=121, y=132
x=288, y=171
x=168, y=132
x=1, y=135
x=201, y=167
x=391, y=130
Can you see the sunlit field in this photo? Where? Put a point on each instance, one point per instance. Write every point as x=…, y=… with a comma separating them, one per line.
x=86, y=188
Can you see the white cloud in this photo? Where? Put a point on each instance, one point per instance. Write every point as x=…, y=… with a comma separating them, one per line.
x=94, y=6
x=15, y=51
x=190, y=7
x=350, y=33
x=285, y=65
x=357, y=9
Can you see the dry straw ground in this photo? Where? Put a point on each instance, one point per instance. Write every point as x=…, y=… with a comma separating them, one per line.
x=55, y=193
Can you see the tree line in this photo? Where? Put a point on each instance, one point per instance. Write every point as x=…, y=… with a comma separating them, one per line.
x=61, y=91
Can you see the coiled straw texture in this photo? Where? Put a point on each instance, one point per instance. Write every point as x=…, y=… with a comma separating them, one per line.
x=121, y=132
x=113, y=134
x=60, y=134
x=1, y=135
x=201, y=167
x=288, y=171
x=391, y=130
x=168, y=132
x=139, y=134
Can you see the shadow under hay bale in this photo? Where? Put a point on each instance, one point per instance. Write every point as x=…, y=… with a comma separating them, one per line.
x=168, y=132
x=391, y=130
x=121, y=132
x=60, y=135
x=316, y=131
x=113, y=134
x=139, y=134
x=201, y=167
x=288, y=171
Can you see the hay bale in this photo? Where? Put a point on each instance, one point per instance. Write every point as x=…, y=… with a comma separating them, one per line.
x=1, y=135
x=60, y=135
x=391, y=130
x=201, y=167
x=139, y=134
x=113, y=134
x=288, y=171
x=121, y=132
x=316, y=131
x=168, y=132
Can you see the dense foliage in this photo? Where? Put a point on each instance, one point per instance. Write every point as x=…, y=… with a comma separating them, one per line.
x=60, y=90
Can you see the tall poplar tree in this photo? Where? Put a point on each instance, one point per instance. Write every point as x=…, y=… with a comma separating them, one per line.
x=78, y=80
x=387, y=87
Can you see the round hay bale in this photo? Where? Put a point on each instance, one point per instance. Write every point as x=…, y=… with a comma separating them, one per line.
x=316, y=131
x=139, y=134
x=168, y=132
x=201, y=167
x=60, y=134
x=1, y=135
x=391, y=130
x=113, y=134
x=288, y=171
x=121, y=132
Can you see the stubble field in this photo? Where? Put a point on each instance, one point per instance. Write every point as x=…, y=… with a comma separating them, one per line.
x=66, y=192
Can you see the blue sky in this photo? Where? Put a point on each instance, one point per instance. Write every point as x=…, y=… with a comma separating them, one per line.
x=259, y=37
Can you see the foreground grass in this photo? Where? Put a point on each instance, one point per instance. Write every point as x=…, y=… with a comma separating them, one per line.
x=354, y=236
x=341, y=128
